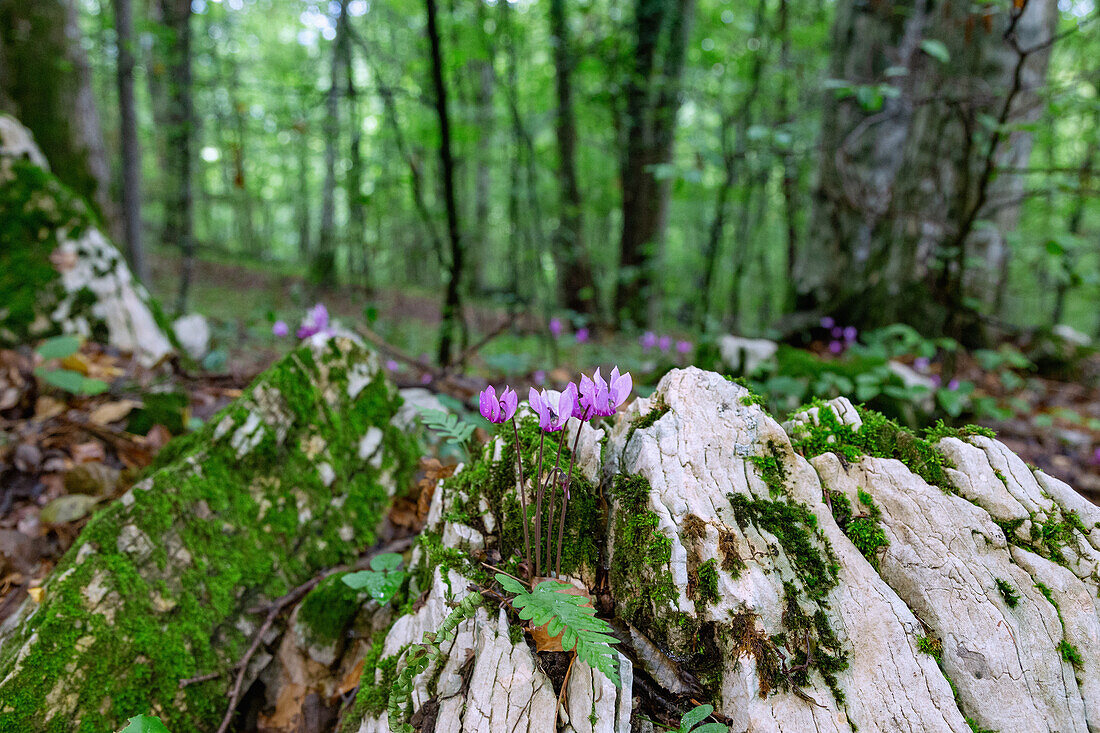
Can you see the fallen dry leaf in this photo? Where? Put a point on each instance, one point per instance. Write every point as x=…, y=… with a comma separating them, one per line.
x=46, y=407
x=36, y=594
x=90, y=452
x=157, y=437
x=93, y=479
x=76, y=362
x=110, y=412
x=543, y=641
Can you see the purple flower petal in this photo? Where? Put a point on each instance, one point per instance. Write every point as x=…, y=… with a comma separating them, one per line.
x=555, y=327
x=835, y=347
x=582, y=335
x=664, y=343
x=684, y=347
x=827, y=323
x=280, y=329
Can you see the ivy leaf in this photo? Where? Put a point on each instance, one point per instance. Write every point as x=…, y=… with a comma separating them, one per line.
x=385, y=561
x=380, y=586
x=936, y=49
x=145, y=724
x=58, y=347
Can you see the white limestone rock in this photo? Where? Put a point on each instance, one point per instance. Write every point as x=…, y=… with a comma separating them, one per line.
x=193, y=335
x=745, y=355
x=94, y=292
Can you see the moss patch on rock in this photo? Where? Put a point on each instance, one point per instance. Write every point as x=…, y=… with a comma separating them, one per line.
x=156, y=588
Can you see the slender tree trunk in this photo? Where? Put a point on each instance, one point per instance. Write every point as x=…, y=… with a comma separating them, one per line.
x=790, y=166
x=180, y=214
x=46, y=83
x=323, y=266
x=301, y=204
x=652, y=103
x=576, y=283
x=128, y=134
x=717, y=229
x=357, y=215
x=452, y=302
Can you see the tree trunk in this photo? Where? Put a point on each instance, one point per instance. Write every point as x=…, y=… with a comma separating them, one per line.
x=451, y=316
x=46, y=83
x=179, y=220
x=323, y=264
x=128, y=134
x=577, y=286
x=357, y=214
x=904, y=179
x=661, y=30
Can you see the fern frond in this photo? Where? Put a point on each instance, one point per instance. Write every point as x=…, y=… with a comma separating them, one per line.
x=571, y=616
x=453, y=429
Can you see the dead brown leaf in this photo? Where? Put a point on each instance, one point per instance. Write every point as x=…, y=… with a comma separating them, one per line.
x=46, y=407
x=539, y=634
x=157, y=437
x=90, y=452
x=110, y=412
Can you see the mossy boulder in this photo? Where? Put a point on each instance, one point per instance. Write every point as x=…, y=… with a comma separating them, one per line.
x=58, y=272
x=290, y=479
x=834, y=573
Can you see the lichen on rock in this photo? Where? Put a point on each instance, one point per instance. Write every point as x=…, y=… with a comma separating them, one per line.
x=158, y=586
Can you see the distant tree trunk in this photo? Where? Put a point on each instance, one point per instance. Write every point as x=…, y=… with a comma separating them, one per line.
x=791, y=205
x=302, y=208
x=128, y=134
x=576, y=282
x=323, y=264
x=451, y=315
x=661, y=30
x=357, y=214
x=716, y=230
x=179, y=224
x=904, y=180
x=46, y=83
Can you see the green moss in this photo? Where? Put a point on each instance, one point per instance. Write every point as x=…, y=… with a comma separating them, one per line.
x=706, y=586
x=864, y=530
x=931, y=646
x=639, y=573
x=328, y=610
x=1070, y=654
x=878, y=437
x=795, y=527
x=941, y=430
x=655, y=413
x=773, y=470
x=1012, y=598
x=221, y=532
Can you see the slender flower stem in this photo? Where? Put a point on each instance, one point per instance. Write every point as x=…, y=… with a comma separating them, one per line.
x=538, y=510
x=522, y=499
x=552, y=480
x=565, y=489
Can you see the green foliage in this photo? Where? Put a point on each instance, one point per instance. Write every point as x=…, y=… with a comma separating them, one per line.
x=58, y=347
x=569, y=615
x=1012, y=598
x=455, y=431
x=61, y=347
x=689, y=723
x=1070, y=654
x=382, y=581
x=420, y=656
x=931, y=646
x=145, y=724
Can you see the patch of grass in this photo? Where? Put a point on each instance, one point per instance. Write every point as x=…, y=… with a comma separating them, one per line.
x=1012, y=598
x=931, y=646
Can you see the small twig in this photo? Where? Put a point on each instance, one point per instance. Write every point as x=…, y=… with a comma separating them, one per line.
x=278, y=605
x=462, y=358
x=498, y=570
x=397, y=353
x=564, y=684
x=202, y=678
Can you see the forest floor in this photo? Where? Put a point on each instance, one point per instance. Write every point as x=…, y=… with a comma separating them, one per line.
x=62, y=455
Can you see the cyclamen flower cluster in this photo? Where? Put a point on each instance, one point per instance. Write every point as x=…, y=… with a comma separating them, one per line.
x=316, y=322
x=843, y=337
x=594, y=397
x=650, y=340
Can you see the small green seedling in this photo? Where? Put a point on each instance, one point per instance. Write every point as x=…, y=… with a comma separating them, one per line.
x=693, y=718
x=61, y=347
x=454, y=430
x=382, y=581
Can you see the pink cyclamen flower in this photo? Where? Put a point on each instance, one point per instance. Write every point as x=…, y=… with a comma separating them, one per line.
x=316, y=321
x=953, y=385
x=921, y=363
x=684, y=347
x=664, y=343
x=539, y=377
x=425, y=378
x=1096, y=456
x=280, y=329
x=648, y=340
x=498, y=410
x=935, y=380
x=555, y=327
x=850, y=333
x=835, y=347
x=392, y=365
x=827, y=323
x=582, y=335
x=554, y=408
x=598, y=397
x=837, y=332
